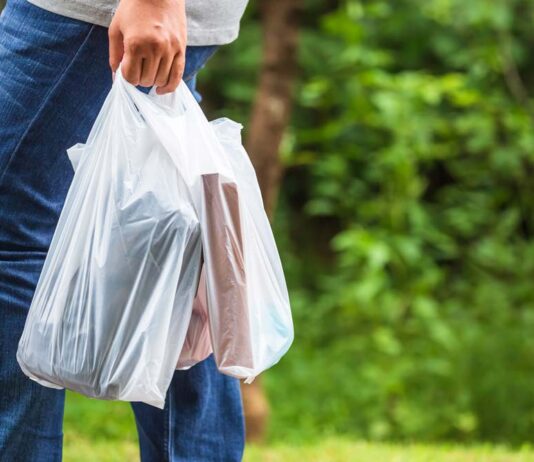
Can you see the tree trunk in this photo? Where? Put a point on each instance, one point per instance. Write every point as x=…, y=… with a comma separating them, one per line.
x=269, y=120
x=274, y=96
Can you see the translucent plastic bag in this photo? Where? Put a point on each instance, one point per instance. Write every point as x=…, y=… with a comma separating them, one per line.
x=247, y=294
x=248, y=304
x=112, y=306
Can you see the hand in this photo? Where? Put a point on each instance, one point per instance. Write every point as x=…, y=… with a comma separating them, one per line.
x=149, y=38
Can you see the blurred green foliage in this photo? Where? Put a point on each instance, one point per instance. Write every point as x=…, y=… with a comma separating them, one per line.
x=406, y=218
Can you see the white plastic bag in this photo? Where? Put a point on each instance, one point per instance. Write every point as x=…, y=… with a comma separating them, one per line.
x=248, y=303
x=114, y=302
x=112, y=306
x=247, y=293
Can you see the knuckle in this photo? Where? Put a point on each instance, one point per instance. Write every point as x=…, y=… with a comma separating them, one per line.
x=156, y=42
x=153, y=41
x=133, y=44
x=175, y=42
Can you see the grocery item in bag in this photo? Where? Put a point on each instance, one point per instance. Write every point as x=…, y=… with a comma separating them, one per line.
x=230, y=324
x=197, y=344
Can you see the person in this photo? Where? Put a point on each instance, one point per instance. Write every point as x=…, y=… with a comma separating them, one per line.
x=55, y=72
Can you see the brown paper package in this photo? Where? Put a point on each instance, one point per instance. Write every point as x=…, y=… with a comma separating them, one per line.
x=229, y=313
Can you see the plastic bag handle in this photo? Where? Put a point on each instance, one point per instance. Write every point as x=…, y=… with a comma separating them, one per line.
x=165, y=114
x=172, y=102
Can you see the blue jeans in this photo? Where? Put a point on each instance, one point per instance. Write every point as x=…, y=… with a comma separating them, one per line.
x=54, y=76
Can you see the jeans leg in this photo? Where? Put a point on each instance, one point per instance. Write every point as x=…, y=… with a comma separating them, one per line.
x=195, y=60
x=49, y=97
x=202, y=420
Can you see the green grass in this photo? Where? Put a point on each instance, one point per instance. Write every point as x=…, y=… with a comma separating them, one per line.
x=98, y=431
x=342, y=450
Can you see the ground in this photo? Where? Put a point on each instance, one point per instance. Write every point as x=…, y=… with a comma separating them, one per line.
x=97, y=431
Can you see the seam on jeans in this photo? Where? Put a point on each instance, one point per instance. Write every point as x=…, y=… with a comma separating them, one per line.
x=167, y=430
x=44, y=102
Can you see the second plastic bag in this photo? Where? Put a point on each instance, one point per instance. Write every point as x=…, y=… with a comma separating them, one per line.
x=246, y=295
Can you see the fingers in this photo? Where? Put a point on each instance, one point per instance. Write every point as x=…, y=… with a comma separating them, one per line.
x=174, y=76
x=149, y=69
x=164, y=69
x=148, y=60
x=132, y=64
x=116, y=48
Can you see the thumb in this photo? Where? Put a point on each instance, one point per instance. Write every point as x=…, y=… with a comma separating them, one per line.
x=116, y=47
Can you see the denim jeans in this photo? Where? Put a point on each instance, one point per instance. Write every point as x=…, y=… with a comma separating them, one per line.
x=54, y=76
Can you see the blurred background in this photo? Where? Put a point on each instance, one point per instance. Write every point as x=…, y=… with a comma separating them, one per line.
x=394, y=143
x=402, y=193
x=404, y=213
